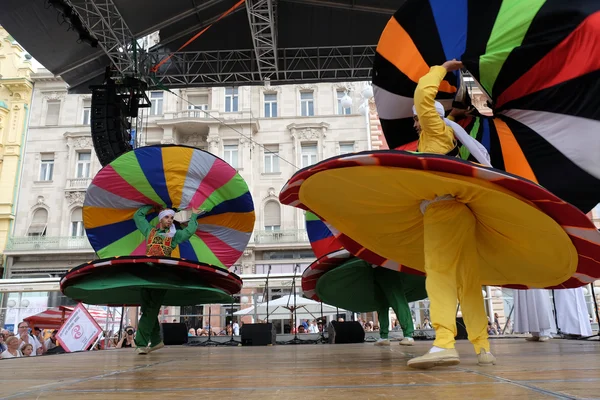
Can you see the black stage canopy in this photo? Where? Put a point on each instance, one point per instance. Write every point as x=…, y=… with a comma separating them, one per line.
x=284, y=41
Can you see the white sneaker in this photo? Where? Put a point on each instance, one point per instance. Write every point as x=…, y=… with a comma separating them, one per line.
x=141, y=350
x=407, y=341
x=382, y=342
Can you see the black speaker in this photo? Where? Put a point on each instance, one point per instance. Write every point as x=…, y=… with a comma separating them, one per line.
x=110, y=126
x=258, y=334
x=461, y=329
x=345, y=332
x=174, y=333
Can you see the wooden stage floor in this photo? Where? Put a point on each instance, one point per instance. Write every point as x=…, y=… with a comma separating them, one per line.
x=556, y=369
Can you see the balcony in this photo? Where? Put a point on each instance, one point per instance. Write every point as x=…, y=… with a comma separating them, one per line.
x=18, y=244
x=198, y=121
x=77, y=184
x=33, y=244
x=298, y=236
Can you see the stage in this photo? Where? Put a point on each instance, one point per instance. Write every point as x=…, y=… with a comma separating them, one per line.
x=556, y=369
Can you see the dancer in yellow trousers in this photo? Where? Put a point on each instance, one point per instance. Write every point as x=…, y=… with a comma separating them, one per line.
x=449, y=235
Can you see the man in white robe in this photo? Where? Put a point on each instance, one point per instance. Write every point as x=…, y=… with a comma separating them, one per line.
x=572, y=313
x=533, y=314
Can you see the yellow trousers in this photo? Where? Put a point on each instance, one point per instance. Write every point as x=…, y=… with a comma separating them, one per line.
x=451, y=264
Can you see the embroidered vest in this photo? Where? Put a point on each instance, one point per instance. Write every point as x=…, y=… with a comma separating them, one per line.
x=158, y=245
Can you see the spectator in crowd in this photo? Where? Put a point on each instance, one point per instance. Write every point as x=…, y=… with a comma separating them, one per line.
x=27, y=350
x=236, y=328
x=127, y=340
x=192, y=332
x=2, y=344
x=50, y=343
x=12, y=351
x=27, y=338
x=426, y=324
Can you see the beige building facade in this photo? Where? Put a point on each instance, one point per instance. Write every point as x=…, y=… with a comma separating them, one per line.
x=267, y=133
x=15, y=96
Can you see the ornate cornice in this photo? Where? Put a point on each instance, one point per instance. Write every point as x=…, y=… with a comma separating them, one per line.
x=54, y=95
x=308, y=131
x=75, y=198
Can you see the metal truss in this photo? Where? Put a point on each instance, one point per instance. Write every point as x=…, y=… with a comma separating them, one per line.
x=238, y=67
x=104, y=21
x=262, y=16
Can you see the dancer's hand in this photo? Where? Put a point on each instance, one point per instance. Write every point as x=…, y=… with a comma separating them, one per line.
x=453, y=65
x=197, y=211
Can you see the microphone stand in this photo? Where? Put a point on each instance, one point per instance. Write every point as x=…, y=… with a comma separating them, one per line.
x=296, y=339
x=209, y=342
x=267, y=292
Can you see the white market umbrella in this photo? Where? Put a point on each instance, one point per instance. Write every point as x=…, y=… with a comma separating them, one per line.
x=284, y=306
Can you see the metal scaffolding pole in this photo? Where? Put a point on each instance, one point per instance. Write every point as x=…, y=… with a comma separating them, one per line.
x=105, y=23
x=262, y=16
x=235, y=67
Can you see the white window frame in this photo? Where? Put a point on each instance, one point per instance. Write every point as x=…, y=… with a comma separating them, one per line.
x=347, y=144
x=198, y=114
x=307, y=106
x=86, y=116
x=48, y=104
x=341, y=110
x=157, y=101
x=272, y=228
x=270, y=107
x=231, y=154
x=84, y=164
x=42, y=226
x=46, y=168
x=271, y=159
x=77, y=229
x=232, y=99
x=310, y=157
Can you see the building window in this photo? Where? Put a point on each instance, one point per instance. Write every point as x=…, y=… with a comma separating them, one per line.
x=342, y=110
x=271, y=159
x=231, y=99
x=308, y=155
x=52, y=113
x=46, y=167
x=156, y=100
x=77, y=228
x=83, y=164
x=346, y=148
x=86, y=117
x=307, y=104
x=39, y=222
x=272, y=216
x=230, y=154
x=198, y=103
x=270, y=105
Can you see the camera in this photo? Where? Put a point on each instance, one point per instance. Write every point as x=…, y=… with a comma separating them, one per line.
x=129, y=331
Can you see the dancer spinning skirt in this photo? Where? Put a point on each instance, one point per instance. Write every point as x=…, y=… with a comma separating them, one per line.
x=146, y=260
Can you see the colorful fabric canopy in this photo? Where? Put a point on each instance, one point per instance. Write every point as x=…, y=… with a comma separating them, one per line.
x=120, y=281
x=177, y=177
x=322, y=240
x=539, y=63
x=339, y=278
x=526, y=235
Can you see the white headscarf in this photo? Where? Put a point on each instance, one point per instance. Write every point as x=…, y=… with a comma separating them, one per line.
x=477, y=149
x=164, y=213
